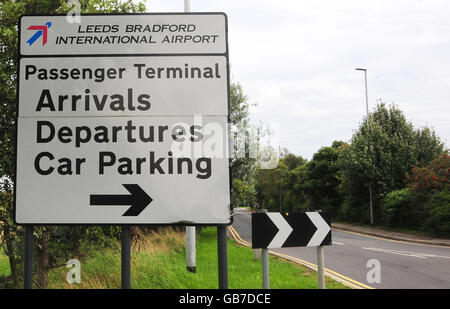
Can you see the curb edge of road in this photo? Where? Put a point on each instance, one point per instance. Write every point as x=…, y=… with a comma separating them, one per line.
x=328, y=273
x=392, y=237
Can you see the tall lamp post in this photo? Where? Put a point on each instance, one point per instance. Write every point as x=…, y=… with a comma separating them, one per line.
x=368, y=127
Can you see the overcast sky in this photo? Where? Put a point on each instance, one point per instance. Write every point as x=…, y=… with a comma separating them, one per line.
x=296, y=60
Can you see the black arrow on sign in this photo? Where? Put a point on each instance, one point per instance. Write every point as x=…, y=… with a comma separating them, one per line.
x=138, y=200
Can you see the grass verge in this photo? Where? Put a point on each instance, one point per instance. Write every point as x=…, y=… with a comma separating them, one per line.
x=4, y=265
x=158, y=261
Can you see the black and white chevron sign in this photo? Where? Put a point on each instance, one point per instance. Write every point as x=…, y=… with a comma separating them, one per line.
x=277, y=230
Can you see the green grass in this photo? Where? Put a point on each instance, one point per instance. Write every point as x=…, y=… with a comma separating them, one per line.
x=160, y=263
x=4, y=265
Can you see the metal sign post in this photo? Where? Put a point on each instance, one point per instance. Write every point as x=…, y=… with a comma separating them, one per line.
x=265, y=262
x=320, y=267
x=28, y=258
x=265, y=268
x=190, y=249
x=222, y=256
x=126, y=257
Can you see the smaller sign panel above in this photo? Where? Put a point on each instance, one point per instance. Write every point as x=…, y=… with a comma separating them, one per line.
x=159, y=33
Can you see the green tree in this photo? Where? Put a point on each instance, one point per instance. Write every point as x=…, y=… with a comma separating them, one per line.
x=244, y=195
x=244, y=137
x=381, y=152
x=321, y=179
x=268, y=187
x=292, y=161
x=277, y=188
x=292, y=197
x=10, y=10
x=243, y=165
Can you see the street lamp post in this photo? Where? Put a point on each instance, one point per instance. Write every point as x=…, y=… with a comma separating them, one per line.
x=368, y=127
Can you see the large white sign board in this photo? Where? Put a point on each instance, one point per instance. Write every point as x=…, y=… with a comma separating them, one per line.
x=123, y=133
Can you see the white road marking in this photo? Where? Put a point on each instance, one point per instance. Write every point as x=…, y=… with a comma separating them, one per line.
x=427, y=255
x=337, y=243
x=394, y=252
x=406, y=253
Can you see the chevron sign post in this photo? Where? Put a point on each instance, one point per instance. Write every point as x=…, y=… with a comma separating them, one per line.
x=278, y=230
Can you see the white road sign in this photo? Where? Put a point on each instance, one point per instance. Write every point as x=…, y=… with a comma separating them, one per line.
x=123, y=133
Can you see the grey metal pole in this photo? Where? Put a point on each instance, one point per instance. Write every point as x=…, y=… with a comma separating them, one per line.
x=368, y=127
x=222, y=256
x=190, y=249
x=257, y=253
x=367, y=97
x=265, y=268
x=320, y=267
x=126, y=257
x=28, y=258
x=191, y=263
x=187, y=5
x=265, y=263
x=371, y=205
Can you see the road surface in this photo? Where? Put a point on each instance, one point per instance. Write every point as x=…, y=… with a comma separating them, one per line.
x=402, y=265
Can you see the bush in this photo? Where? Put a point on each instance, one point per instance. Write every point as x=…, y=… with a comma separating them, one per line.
x=394, y=207
x=438, y=207
x=348, y=213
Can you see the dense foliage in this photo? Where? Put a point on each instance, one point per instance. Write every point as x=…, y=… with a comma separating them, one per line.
x=381, y=152
x=406, y=168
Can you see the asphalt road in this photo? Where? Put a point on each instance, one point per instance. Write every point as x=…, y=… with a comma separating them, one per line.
x=402, y=265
